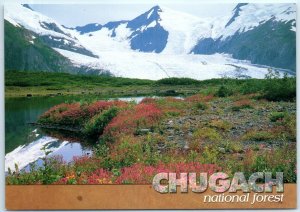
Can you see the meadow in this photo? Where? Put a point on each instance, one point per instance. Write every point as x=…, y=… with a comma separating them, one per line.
x=227, y=125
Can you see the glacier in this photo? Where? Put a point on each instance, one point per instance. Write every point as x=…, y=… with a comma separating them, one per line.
x=125, y=49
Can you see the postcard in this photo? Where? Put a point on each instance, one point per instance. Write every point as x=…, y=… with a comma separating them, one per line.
x=150, y=106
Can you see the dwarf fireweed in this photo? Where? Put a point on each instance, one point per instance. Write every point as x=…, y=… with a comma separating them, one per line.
x=142, y=174
x=127, y=121
x=75, y=114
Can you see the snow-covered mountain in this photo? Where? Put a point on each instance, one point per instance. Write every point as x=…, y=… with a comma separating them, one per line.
x=166, y=43
x=261, y=33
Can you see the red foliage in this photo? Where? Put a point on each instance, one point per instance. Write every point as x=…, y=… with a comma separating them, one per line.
x=75, y=113
x=148, y=100
x=242, y=103
x=86, y=161
x=141, y=174
x=100, y=176
x=127, y=121
x=64, y=114
x=137, y=173
x=99, y=106
x=172, y=99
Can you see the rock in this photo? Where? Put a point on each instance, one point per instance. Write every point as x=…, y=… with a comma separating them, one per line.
x=240, y=157
x=170, y=137
x=222, y=150
x=186, y=147
x=143, y=131
x=161, y=146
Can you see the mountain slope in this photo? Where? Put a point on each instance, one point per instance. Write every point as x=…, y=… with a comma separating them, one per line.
x=159, y=30
x=51, y=32
x=262, y=45
x=261, y=33
x=165, y=43
x=25, y=50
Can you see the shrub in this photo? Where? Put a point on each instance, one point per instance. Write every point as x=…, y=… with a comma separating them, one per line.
x=95, y=126
x=252, y=86
x=76, y=114
x=277, y=116
x=277, y=89
x=273, y=162
x=64, y=114
x=224, y=92
x=177, y=81
x=201, y=106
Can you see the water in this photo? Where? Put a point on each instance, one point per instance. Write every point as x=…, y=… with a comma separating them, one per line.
x=24, y=142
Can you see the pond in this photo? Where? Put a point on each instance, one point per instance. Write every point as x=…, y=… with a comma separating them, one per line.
x=24, y=142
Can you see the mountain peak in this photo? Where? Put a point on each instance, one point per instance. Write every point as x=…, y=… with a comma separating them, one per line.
x=27, y=6
x=155, y=9
x=146, y=18
x=236, y=13
x=153, y=13
x=88, y=28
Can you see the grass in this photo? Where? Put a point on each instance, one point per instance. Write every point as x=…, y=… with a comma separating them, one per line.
x=23, y=83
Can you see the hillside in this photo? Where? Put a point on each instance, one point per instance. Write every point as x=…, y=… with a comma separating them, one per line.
x=246, y=43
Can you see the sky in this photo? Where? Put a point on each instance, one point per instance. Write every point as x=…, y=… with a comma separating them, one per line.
x=82, y=14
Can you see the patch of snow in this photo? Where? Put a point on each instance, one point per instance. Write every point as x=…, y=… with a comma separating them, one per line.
x=150, y=13
x=252, y=15
x=56, y=39
x=26, y=154
x=66, y=42
x=122, y=32
x=18, y=15
x=152, y=24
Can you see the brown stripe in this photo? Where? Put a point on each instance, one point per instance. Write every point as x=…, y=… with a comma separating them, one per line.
x=30, y=197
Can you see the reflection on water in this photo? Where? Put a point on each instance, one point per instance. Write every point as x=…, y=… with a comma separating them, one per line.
x=26, y=154
x=23, y=142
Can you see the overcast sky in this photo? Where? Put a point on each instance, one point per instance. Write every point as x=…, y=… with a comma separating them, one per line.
x=81, y=14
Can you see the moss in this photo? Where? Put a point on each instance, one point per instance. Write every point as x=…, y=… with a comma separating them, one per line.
x=221, y=124
x=206, y=133
x=256, y=135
